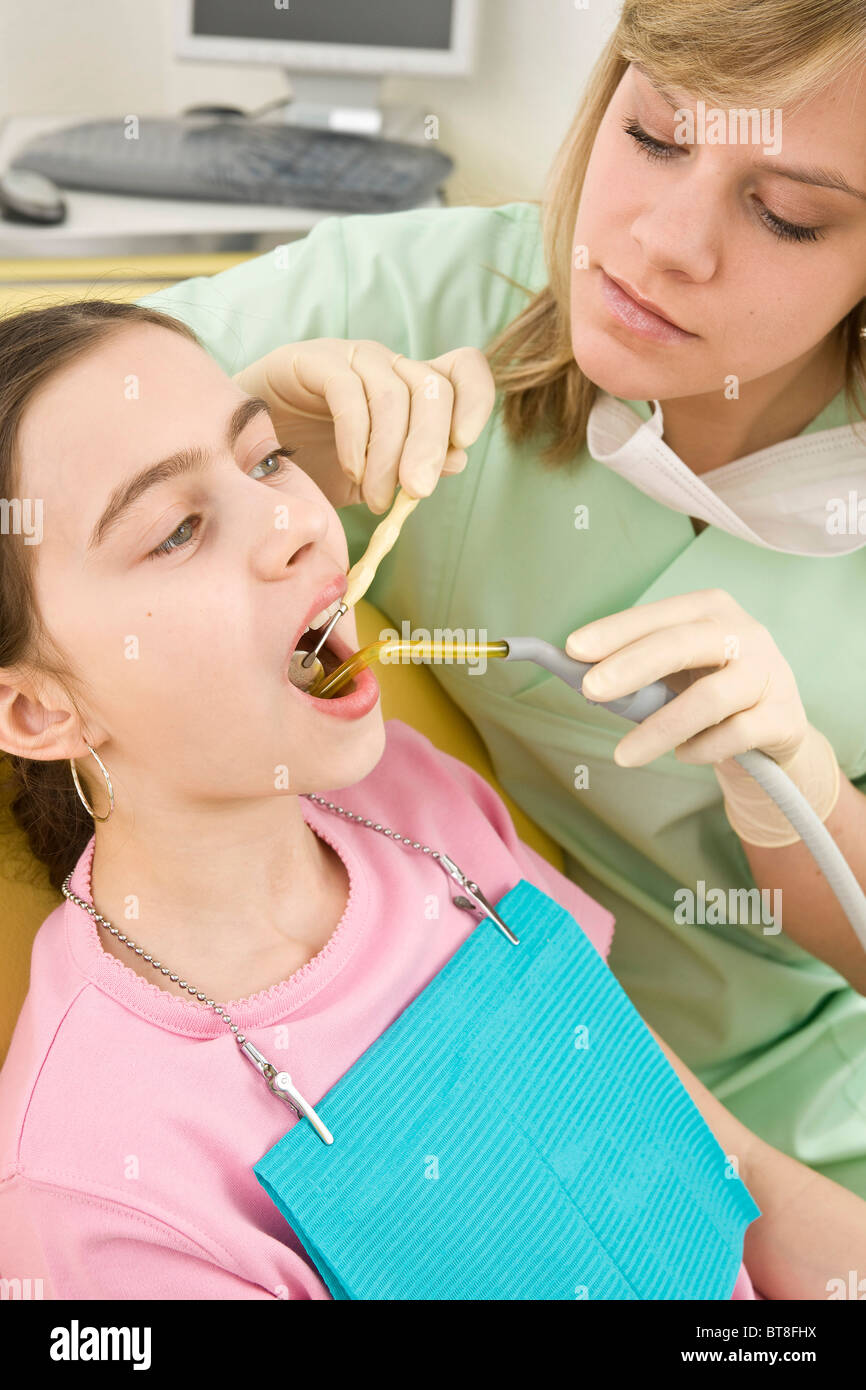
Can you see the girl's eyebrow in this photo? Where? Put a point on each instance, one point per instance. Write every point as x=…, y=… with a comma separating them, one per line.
x=190, y=460
x=820, y=178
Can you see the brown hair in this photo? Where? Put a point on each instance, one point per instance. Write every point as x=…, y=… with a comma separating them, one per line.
x=34, y=345
x=727, y=50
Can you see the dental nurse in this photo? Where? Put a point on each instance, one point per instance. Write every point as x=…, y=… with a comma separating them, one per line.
x=669, y=485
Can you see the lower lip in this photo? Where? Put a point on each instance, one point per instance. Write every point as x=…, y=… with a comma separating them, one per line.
x=641, y=321
x=354, y=705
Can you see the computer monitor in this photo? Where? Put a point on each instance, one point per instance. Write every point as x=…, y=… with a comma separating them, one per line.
x=335, y=51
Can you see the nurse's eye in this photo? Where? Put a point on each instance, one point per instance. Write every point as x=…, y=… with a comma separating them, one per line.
x=182, y=535
x=657, y=149
x=788, y=231
x=653, y=149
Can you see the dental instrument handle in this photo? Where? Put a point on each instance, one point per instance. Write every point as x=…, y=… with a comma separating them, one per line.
x=383, y=538
x=765, y=770
x=361, y=575
x=636, y=707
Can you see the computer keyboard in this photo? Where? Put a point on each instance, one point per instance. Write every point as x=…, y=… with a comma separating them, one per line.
x=239, y=161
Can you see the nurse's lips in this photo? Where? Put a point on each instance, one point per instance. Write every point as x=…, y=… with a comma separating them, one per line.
x=642, y=317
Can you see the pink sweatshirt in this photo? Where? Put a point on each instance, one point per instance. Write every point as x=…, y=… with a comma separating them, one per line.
x=129, y=1121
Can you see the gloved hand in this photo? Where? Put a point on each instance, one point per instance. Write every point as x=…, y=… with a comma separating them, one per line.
x=737, y=690
x=365, y=418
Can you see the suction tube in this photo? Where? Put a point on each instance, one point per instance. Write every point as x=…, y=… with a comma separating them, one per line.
x=765, y=771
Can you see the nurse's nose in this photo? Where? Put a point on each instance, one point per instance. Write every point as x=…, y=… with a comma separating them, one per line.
x=682, y=230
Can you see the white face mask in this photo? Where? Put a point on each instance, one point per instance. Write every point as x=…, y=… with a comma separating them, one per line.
x=805, y=496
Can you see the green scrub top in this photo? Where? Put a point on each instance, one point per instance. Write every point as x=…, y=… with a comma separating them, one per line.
x=776, y=1034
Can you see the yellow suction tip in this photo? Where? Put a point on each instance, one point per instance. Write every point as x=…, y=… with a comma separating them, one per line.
x=399, y=653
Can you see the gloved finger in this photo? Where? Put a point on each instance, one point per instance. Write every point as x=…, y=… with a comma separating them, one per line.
x=455, y=461
x=598, y=639
x=347, y=402
x=650, y=658
x=746, y=729
x=474, y=392
x=389, y=403
x=714, y=698
x=428, y=439
x=776, y=726
x=319, y=371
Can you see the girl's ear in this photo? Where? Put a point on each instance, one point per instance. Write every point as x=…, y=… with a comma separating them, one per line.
x=32, y=728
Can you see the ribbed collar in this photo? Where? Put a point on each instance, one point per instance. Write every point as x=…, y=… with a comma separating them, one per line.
x=191, y=1017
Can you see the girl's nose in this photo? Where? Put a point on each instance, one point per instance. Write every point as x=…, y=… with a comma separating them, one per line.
x=284, y=531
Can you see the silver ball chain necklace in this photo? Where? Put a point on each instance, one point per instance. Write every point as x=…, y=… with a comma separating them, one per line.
x=280, y=1082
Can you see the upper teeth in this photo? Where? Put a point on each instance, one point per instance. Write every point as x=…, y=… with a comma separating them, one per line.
x=323, y=617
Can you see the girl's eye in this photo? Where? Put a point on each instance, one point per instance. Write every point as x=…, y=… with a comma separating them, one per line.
x=172, y=542
x=656, y=149
x=283, y=455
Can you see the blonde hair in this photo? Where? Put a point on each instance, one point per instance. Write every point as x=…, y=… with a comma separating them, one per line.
x=727, y=51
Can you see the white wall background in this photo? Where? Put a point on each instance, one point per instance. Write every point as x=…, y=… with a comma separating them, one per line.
x=502, y=126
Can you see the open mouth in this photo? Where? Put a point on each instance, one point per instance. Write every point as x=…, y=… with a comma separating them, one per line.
x=303, y=677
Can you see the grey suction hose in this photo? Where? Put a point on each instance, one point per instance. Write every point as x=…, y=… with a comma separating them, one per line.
x=776, y=783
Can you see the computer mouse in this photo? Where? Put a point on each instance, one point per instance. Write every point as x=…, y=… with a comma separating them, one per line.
x=214, y=111
x=26, y=196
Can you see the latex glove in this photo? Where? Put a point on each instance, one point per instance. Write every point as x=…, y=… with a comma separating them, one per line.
x=364, y=418
x=737, y=690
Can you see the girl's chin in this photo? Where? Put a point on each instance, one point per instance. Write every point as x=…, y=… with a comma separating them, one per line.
x=344, y=766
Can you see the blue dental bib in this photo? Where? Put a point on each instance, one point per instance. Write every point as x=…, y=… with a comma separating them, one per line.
x=516, y=1133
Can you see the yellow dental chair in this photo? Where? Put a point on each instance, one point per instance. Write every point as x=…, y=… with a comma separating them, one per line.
x=410, y=693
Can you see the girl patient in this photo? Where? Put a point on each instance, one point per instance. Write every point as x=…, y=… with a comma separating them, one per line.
x=183, y=555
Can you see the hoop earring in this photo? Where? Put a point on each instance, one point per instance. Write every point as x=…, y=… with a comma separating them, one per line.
x=88, y=808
